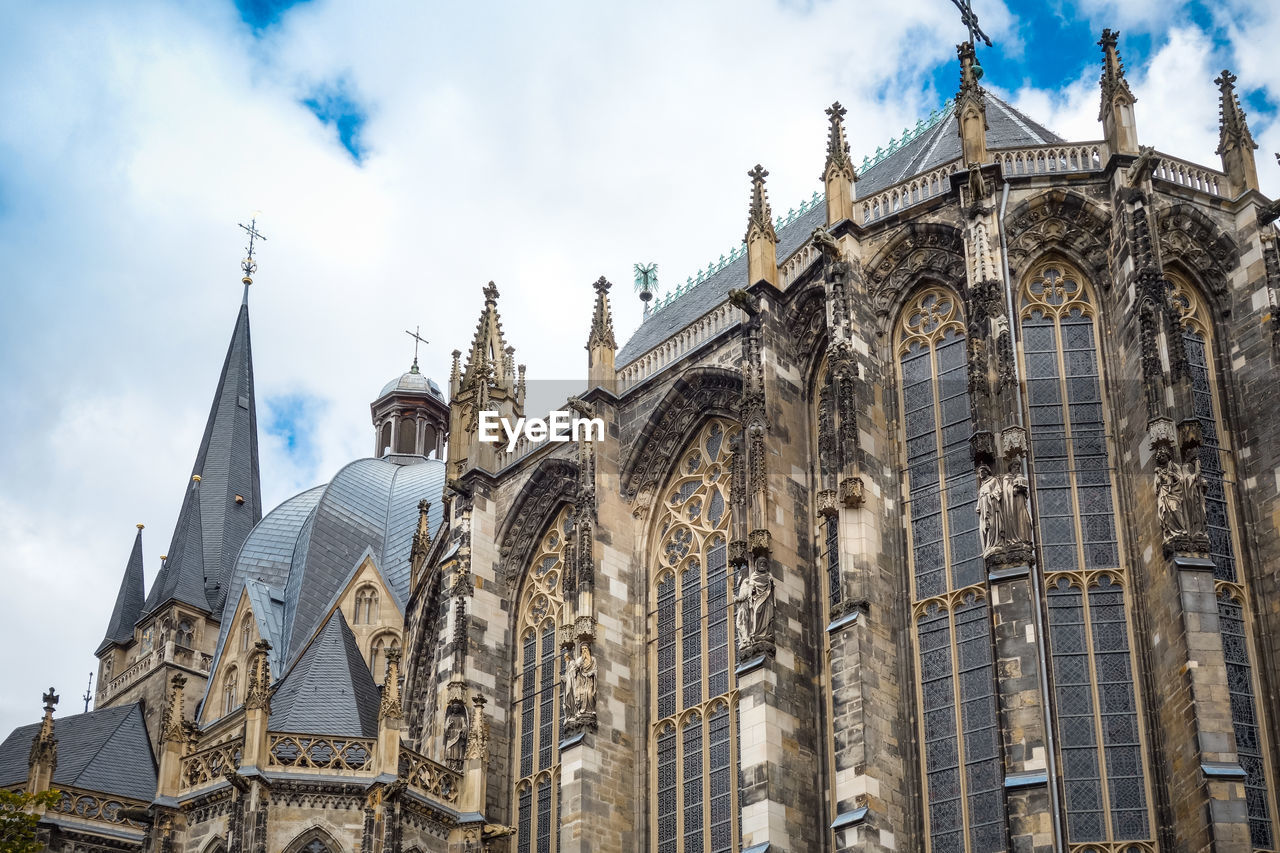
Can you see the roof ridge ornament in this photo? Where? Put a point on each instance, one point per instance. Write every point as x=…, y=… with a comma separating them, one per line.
x=417, y=339
x=249, y=266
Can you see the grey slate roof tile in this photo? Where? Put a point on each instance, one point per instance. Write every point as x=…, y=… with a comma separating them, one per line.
x=106, y=751
x=129, y=600
x=329, y=690
x=211, y=525
x=937, y=145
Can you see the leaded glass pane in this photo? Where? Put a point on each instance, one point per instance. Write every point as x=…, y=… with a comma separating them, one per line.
x=1077, y=732
x=1211, y=466
x=941, y=750
x=717, y=620
x=691, y=628
x=721, y=782
x=667, y=647
x=529, y=685
x=667, y=839
x=524, y=824
x=831, y=547
x=1118, y=709
x=1244, y=716
x=545, y=829
x=983, y=765
x=692, y=750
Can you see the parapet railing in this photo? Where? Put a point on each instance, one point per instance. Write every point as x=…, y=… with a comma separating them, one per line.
x=88, y=805
x=208, y=764
x=315, y=752
x=1190, y=175
x=1050, y=159
x=906, y=193
x=429, y=777
x=703, y=329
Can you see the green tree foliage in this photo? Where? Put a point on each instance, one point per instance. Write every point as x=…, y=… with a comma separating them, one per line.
x=19, y=813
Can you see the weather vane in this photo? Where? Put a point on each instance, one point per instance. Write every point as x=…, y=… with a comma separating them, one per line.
x=417, y=339
x=970, y=21
x=248, y=264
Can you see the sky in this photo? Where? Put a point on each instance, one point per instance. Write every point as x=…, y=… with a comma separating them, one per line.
x=400, y=155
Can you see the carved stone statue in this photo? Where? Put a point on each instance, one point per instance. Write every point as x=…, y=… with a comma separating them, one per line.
x=753, y=619
x=1180, y=502
x=580, y=686
x=1004, y=513
x=990, y=510
x=455, y=735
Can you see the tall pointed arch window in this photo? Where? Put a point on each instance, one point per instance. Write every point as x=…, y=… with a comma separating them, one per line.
x=959, y=729
x=230, y=690
x=693, y=741
x=1233, y=610
x=537, y=706
x=1100, y=738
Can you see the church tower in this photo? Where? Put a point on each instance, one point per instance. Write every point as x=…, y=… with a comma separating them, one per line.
x=174, y=630
x=410, y=416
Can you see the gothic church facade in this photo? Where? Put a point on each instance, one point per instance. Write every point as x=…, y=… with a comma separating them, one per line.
x=944, y=515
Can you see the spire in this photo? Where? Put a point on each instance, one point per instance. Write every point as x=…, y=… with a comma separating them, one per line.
x=491, y=381
x=971, y=107
x=421, y=544
x=43, y=759
x=488, y=354
x=1235, y=142
x=129, y=600
x=601, y=345
x=761, y=239
x=224, y=498
x=838, y=173
x=1116, y=109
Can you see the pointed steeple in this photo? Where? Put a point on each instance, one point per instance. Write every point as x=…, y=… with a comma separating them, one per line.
x=491, y=381
x=971, y=107
x=1235, y=142
x=129, y=600
x=838, y=174
x=601, y=345
x=1119, y=128
x=223, y=500
x=761, y=239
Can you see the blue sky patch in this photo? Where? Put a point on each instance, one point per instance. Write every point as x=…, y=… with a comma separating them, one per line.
x=293, y=419
x=335, y=105
x=261, y=14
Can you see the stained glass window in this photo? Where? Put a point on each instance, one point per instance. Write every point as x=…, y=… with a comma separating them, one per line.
x=831, y=552
x=694, y=781
x=1232, y=615
x=537, y=708
x=964, y=774
x=1103, y=763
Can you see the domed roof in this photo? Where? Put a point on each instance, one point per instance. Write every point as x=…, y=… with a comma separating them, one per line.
x=305, y=549
x=412, y=382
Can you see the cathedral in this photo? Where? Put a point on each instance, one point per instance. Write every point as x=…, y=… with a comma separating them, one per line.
x=941, y=516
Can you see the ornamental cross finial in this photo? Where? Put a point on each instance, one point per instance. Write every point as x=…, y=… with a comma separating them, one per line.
x=417, y=339
x=970, y=21
x=1225, y=80
x=249, y=265
x=50, y=699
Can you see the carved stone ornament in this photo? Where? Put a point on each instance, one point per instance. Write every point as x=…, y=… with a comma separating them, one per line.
x=579, y=690
x=1160, y=434
x=759, y=541
x=1004, y=516
x=1013, y=443
x=584, y=629
x=738, y=552
x=478, y=736
x=754, y=611
x=827, y=503
x=851, y=494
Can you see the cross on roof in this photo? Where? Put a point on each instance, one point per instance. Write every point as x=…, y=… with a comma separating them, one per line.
x=417, y=339
x=970, y=21
x=248, y=264
x=50, y=699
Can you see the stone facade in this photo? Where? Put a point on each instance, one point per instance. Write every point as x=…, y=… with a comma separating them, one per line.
x=1057, y=320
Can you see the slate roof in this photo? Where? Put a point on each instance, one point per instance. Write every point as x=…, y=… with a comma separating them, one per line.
x=939, y=144
x=129, y=601
x=105, y=751
x=329, y=691
x=211, y=525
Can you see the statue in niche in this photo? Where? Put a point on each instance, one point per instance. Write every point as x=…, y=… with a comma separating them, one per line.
x=1004, y=511
x=753, y=618
x=455, y=735
x=1180, y=501
x=580, y=686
